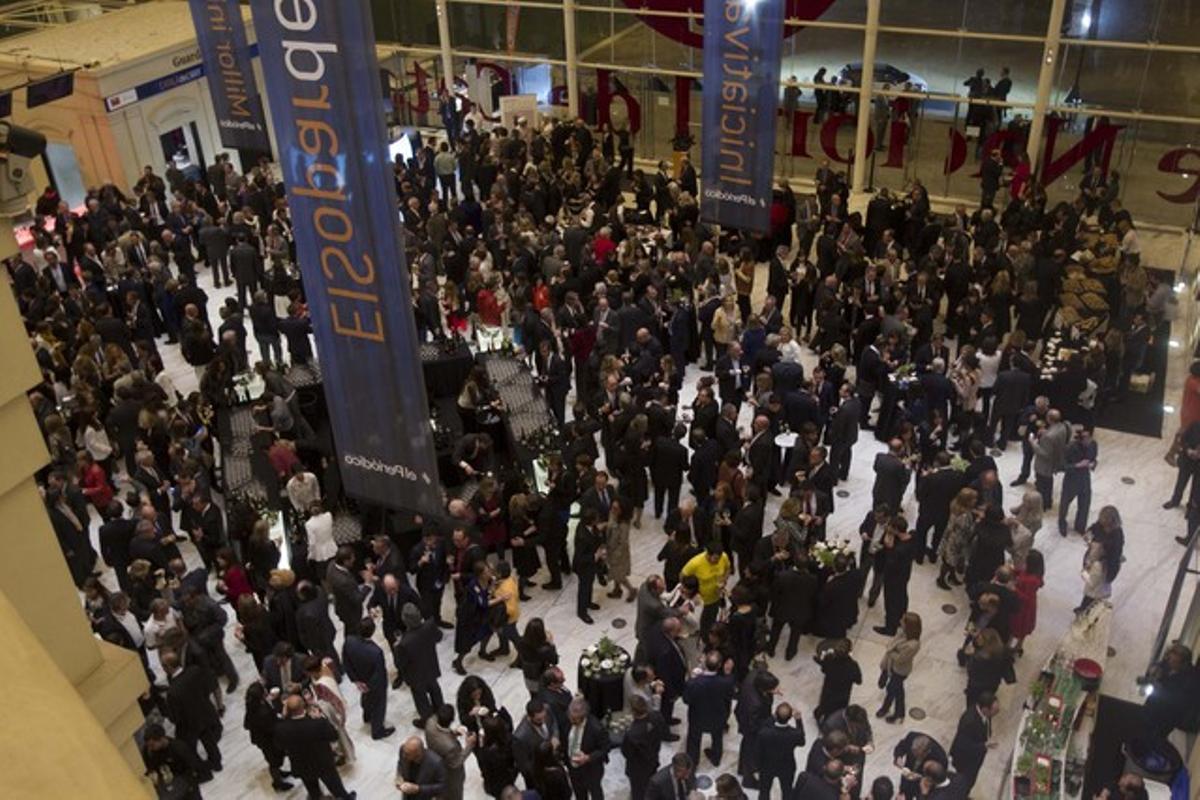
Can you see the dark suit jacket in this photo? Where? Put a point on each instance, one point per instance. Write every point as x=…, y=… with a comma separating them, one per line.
x=115, y=538
x=761, y=455
x=188, y=702
x=662, y=785
x=416, y=655
x=430, y=774
x=668, y=661
x=705, y=461
x=793, y=596
x=728, y=437
x=273, y=674
x=314, y=626
x=935, y=492
x=1011, y=392
x=668, y=462
x=891, y=481
x=347, y=595
x=970, y=742
x=593, y=743
x=390, y=620
x=777, y=747
x=843, y=425
x=641, y=744
x=308, y=743
x=708, y=698
x=363, y=661
x=731, y=386
x=525, y=742
x=592, y=499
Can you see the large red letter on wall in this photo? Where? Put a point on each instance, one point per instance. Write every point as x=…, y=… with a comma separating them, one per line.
x=604, y=98
x=800, y=133
x=897, y=138
x=420, y=77
x=958, y=153
x=1102, y=136
x=829, y=132
x=1172, y=162
x=683, y=104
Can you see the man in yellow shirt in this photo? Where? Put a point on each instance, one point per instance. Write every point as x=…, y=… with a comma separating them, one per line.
x=711, y=568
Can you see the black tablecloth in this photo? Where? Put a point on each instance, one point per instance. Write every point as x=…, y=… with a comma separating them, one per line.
x=525, y=409
x=604, y=693
x=445, y=372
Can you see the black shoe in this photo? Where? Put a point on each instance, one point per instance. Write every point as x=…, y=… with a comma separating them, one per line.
x=215, y=766
x=446, y=626
x=1183, y=540
x=594, y=606
x=553, y=586
x=282, y=786
x=457, y=666
x=587, y=620
x=884, y=631
x=941, y=582
x=486, y=656
x=708, y=753
x=1171, y=504
x=776, y=493
x=881, y=713
x=894, y=719
x=397, y=682
x=872, y=600
x=920, y=559
x=524, y=598
x=418, y=723
x=388, y=731
x=231, y=688
x=671, y=737
x=204, y=777
x=789, y=655
x=1019, y=482
x=516, y=664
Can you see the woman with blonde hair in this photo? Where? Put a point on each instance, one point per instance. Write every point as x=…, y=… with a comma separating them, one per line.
x=896, y=666
x=725, y=324
x=326, y=695
x=1029, y=512
x=616, y=544
x=989, y=665
x=1096, y=585
x=956, y=542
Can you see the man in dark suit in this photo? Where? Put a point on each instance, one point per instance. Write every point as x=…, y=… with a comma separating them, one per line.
x=364, y=664
x=815, y=508
x=347, y=592
x=554, y=376
x=793, y=596
x=214, y=241
x=911, y=754
x=843, y=431
x=417, y=660
x=668, y=462
x=313, y=625
x=971, y=744
x=1010, y=394
x=282, y=667
x=708, y=696
x=116, y=534
x=189, y=707
x=675, y=781
x=939, y=390
x=245, y=263
x=891, y=476
x=641, y=744
x=535, y=729
x=308, y=742
x=733, y=376
x=663, y=651
x=208, y=532
x=939, y=783
x=760, y=454
x=588, y=540
x=598, y=497
x=777, y=743
x=827, y=784
x=420, y=771
x=390, y=596
x=691, y=516
x=706, y=458
x=935, y=491
x=585, y=746
x=430, y=563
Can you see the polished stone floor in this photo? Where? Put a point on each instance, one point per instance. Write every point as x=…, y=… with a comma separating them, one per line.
x=1131, y=475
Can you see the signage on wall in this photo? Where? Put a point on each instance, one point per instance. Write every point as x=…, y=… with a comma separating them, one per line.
x=166, y=83
x=222, y=37
x=322, y=78
x=47, y=91
x=742, y=43
x=5, y=105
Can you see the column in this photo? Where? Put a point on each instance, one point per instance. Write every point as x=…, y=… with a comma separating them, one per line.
x=33, y=574
x=1045, y=81
x=443, y=20
x=861, y=156
x=572, y=59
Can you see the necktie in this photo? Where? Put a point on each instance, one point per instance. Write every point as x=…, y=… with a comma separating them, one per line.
x=680, y=791
x=576, y=740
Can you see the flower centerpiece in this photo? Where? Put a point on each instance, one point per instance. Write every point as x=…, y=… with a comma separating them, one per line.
x=959, y=464
x=604, y=659
x=826, y=552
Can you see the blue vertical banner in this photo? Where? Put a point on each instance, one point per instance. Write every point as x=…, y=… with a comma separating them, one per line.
x=222, y=37
x=322, y=83
x=742, y=44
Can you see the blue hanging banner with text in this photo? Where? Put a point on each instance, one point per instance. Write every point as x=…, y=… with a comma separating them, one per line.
x=742, y=44
x=322, y=81
x=221, y=34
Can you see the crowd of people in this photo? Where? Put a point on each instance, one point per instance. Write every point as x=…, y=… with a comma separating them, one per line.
x=920, y=328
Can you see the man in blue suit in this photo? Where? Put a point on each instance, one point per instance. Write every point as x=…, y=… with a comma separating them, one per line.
x=363, y=661
x=709, y=697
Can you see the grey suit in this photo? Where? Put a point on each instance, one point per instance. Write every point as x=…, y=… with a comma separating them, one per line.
x=450, y=749
x=1049, y=457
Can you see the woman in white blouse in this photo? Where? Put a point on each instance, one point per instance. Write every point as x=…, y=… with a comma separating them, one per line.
x=322, y=547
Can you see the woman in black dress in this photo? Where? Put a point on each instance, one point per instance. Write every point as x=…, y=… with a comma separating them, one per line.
x=635, y=458
x=495, y=757
x=841, y=674
x=470, y=618
x=476, y=704
x=535, y=653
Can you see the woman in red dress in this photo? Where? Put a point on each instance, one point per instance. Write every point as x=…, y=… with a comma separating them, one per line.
x=233, y=581
x=1028, y=581
x=93, y=482
x=490, y=517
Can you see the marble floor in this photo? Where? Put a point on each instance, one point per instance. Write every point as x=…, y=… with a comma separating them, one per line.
x=1131, y=475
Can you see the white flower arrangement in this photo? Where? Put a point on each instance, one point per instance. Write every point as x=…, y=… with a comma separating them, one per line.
x=603, y=659
x=826, y=552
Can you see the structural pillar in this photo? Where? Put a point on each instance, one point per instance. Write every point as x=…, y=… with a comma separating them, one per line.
x=572, y=59
x=443, y=20
x=863, y=129
x=41, y=616
x=1045, y=83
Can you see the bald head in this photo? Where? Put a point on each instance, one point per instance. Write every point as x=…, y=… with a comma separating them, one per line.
x=413, y=749
x=294, y=706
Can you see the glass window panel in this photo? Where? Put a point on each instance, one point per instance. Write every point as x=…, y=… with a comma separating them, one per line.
x=1178, y=20
x=1029, y=17
x=1106, y=77
x=413, y=22
x=942, y=64
x=487, y=28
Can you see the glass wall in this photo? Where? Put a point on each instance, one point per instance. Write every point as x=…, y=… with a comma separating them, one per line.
x=1123, y=87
